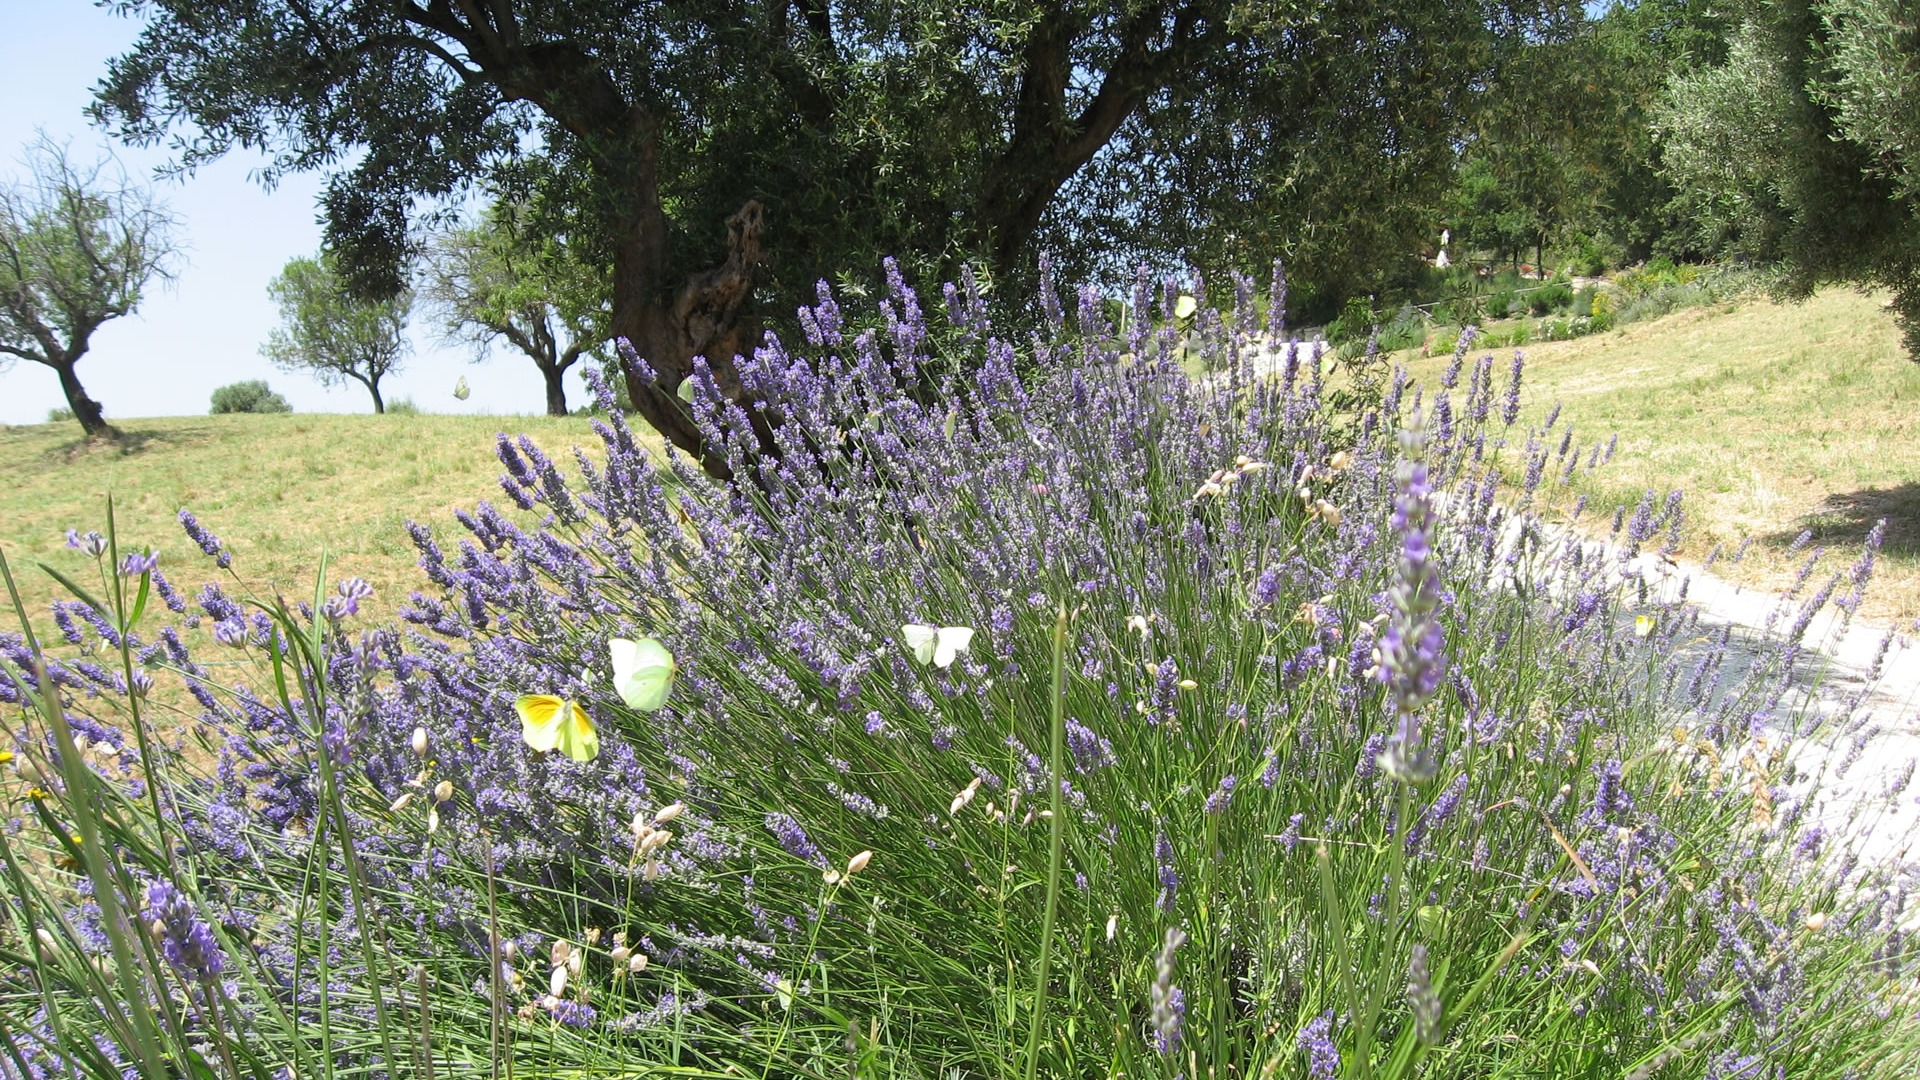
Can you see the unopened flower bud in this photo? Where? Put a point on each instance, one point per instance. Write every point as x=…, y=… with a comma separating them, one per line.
x=557, y=982
x=669, y=812
x=637, y=963
x=443, y=791
x=620, y=953
x=1188, y=684
x=420, y=742
x=1816, y=920
x=400, y=803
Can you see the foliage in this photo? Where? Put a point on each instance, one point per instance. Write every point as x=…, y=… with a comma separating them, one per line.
x=715, y=152
x=249, y=396
x=403, y=407
x=78, y=247
x=330, y=334
x=507, y=280
x=1212, y=741
x=1799, y=147
x=59, y=414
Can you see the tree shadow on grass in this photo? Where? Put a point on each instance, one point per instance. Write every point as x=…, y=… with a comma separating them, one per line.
x=132, y=441
x=1845, y=518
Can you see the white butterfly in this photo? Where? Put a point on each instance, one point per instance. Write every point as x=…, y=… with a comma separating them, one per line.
x=643, y=672
x=936, y=645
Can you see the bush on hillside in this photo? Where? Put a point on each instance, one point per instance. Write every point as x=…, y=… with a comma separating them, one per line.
x=1102, y=720
x=250, y=396
x=59, y=414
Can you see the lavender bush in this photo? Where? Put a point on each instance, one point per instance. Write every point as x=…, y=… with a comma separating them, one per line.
x=1277, y=750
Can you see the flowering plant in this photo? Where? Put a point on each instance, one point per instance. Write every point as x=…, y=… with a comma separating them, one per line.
x=1273, y=745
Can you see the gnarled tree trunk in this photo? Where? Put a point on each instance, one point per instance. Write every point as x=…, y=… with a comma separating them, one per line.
x=710, y=315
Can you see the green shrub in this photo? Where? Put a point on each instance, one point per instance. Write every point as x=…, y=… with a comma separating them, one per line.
x=1499, y=304
x=1550, y=298
x=251, y=396
x=59, y=414
x=402, y=407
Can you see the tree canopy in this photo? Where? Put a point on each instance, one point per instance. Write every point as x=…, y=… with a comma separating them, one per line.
x=505, y=279
x=713, y=149
x=79, y=245
x=331, y=334
x=1803, y=146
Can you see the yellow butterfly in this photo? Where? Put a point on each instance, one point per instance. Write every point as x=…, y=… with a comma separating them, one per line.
x=550, y=723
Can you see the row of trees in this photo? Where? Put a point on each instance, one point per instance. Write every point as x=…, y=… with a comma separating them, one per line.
x=670, y=173
x=496, y=282
x=81, y=245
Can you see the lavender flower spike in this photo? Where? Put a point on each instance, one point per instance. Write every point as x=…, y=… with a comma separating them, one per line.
x=1412, y=650
x=1169, y=1001
x=184, y=938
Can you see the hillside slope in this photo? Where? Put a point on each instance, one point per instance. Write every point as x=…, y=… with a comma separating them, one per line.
x=277, y=489
x=1772, y=418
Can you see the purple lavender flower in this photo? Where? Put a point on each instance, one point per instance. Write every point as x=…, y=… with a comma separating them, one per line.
x=1090, y=751
x=1412, y=660
x=185, y=939
x=1169, y=875
x=139, y=563
x=1316, y=1041
x=1510, y=409
x=90, y=542
x=793, y=838
x=208, y=542
x=1222, y=795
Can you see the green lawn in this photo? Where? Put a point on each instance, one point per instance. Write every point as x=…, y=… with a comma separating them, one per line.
x=1772, y=418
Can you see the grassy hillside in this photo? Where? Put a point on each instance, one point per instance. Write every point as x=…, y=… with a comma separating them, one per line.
x=1772, y=418
x=276, y=489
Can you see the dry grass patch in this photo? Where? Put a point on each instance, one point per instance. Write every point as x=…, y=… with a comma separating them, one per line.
x=1772, y=418
x=277, y=489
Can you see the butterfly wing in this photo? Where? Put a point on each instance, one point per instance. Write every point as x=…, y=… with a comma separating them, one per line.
x=577, y=737
x=922, y=640
x=642, y=672
x=950, y=642
x=539, y=720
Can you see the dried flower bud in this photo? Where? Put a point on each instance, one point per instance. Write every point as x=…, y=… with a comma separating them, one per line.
x=1113, y=925
x=560, y=953
x=619, y=954
x=419, y=742
x=1340, y=461
x=1326, y=511
x=1188, y=684
x=557, y=982
x=593, y=936
x=1816, y=921
x=859, y=862
x=831, y=877
x=400, y=803
x=433, y=820
x=637, y=963
x=1137, y=624
x=443, y=791
x=669, y=812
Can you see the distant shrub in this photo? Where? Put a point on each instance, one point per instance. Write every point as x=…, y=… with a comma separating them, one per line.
x=1356, y=322
x=402, y=407
x=59, y=415
x=1500, y=303
x=1550, y=298
x=250, y=396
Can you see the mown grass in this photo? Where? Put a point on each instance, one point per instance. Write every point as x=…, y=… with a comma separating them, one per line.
x=1773, y=418
x=276, y=488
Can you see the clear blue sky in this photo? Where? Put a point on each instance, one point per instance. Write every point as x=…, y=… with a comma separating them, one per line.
x=205, y=331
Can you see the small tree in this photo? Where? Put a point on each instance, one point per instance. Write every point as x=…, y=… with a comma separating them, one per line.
x=78, y=246
x=251, y=396
x=503, y=280
x=331, y=335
